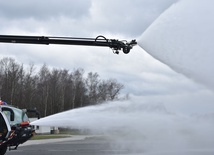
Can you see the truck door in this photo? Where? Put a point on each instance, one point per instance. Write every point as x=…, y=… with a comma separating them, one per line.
x=4, y=127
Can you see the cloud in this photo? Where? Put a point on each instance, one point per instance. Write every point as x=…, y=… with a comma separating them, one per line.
x=44, y=10
x=83, y=17
x=129, y=18
x=139, y=72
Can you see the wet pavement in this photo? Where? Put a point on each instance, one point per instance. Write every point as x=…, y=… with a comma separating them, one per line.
x=76, y=145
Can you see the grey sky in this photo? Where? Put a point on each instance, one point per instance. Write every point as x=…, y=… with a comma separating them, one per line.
x=67, y=17
x=141, y=74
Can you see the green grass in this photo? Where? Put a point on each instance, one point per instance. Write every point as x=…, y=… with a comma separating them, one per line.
x=39, y=137
x=63, y=133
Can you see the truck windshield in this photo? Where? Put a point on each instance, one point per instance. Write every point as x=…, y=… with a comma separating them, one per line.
x=19, y=116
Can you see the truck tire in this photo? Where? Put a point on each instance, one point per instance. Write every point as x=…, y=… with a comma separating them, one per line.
x=3, y=150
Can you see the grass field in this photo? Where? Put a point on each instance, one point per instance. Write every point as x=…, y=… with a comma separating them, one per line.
x=51, y=136
x=63, y=133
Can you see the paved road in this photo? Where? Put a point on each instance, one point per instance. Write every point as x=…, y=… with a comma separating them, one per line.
x=72, y=146
x=84, y=145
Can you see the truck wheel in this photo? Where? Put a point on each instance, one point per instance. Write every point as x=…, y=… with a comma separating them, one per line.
x=3, y=150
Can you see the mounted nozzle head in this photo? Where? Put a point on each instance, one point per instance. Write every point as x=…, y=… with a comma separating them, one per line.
x=128, y=46
x=125, y=46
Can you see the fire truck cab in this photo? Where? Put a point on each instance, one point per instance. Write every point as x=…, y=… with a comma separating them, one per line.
x=15, y=128
x=5, y=131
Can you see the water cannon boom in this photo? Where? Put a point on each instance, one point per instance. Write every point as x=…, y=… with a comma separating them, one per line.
x=101, y=41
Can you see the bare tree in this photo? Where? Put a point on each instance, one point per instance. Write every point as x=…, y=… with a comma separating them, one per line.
x=63, y=87
x=53, y=90
x=79, y=88
x=92, y=82
x=43, y=89
x=11, y=73
x=102, y=91
x=113, y=89
x=29, y=87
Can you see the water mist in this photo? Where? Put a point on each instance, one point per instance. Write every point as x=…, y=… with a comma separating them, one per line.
x=181, y=38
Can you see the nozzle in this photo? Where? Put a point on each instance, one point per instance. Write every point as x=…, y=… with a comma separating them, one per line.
x=129, y=46
x=117, y=45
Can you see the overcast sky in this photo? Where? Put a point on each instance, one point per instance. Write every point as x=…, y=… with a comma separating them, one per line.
x=142, y=75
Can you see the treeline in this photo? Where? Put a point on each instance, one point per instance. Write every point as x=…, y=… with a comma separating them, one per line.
x=53, y=90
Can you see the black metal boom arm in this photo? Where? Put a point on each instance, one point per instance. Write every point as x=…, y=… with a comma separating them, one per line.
x=114, y=44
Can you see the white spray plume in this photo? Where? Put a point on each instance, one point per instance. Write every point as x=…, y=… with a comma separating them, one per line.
x=138, y=126
x=182, y=38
